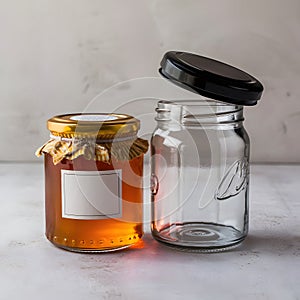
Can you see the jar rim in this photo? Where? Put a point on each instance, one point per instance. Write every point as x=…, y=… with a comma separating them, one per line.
x=199, y=102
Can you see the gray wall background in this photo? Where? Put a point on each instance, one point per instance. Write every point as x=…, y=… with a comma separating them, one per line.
x=55, y=56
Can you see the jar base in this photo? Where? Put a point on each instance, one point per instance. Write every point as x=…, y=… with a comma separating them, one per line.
x=200, y=237
x=89, y=250
x=82, y=250
x=98, y=245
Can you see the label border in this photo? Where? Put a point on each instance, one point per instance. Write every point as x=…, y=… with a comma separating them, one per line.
x=91, y=173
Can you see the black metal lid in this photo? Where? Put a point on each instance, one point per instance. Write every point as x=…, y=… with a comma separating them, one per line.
x=211, y=78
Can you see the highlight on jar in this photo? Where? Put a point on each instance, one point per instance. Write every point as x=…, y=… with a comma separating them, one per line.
x=94, y=181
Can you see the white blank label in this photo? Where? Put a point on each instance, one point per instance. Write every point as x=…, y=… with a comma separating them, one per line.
x=90, y=195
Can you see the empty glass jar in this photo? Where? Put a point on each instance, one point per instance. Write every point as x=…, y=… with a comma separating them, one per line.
x=200, y=156
x=200, y=174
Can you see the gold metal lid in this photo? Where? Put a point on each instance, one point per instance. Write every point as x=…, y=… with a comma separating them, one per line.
x=102, y=125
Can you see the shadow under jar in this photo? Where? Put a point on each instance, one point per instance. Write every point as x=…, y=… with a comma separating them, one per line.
x=93, y=182
x=200, y=156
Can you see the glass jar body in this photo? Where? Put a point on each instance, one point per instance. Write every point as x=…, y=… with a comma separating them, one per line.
x=94, y=234
x=200, y=175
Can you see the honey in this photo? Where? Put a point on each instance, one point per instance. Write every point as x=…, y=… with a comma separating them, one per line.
x=94, y=187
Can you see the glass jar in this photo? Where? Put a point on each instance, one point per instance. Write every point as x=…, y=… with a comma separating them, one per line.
x=94, y=182
x=200, y=175
x=200, y=155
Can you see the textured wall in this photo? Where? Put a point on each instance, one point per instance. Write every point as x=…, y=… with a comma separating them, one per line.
x=55, y=56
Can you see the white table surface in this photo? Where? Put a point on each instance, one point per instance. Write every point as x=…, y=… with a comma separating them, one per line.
x=266, y=266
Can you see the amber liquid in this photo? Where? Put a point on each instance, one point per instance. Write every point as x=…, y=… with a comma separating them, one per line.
x=95, y=235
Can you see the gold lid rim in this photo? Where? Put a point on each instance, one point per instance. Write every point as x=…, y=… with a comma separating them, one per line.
x=67, y=124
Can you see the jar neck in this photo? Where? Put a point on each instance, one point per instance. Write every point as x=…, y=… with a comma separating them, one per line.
x=205, y=113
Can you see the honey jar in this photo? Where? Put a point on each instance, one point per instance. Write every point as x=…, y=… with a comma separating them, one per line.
x=94, y=181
